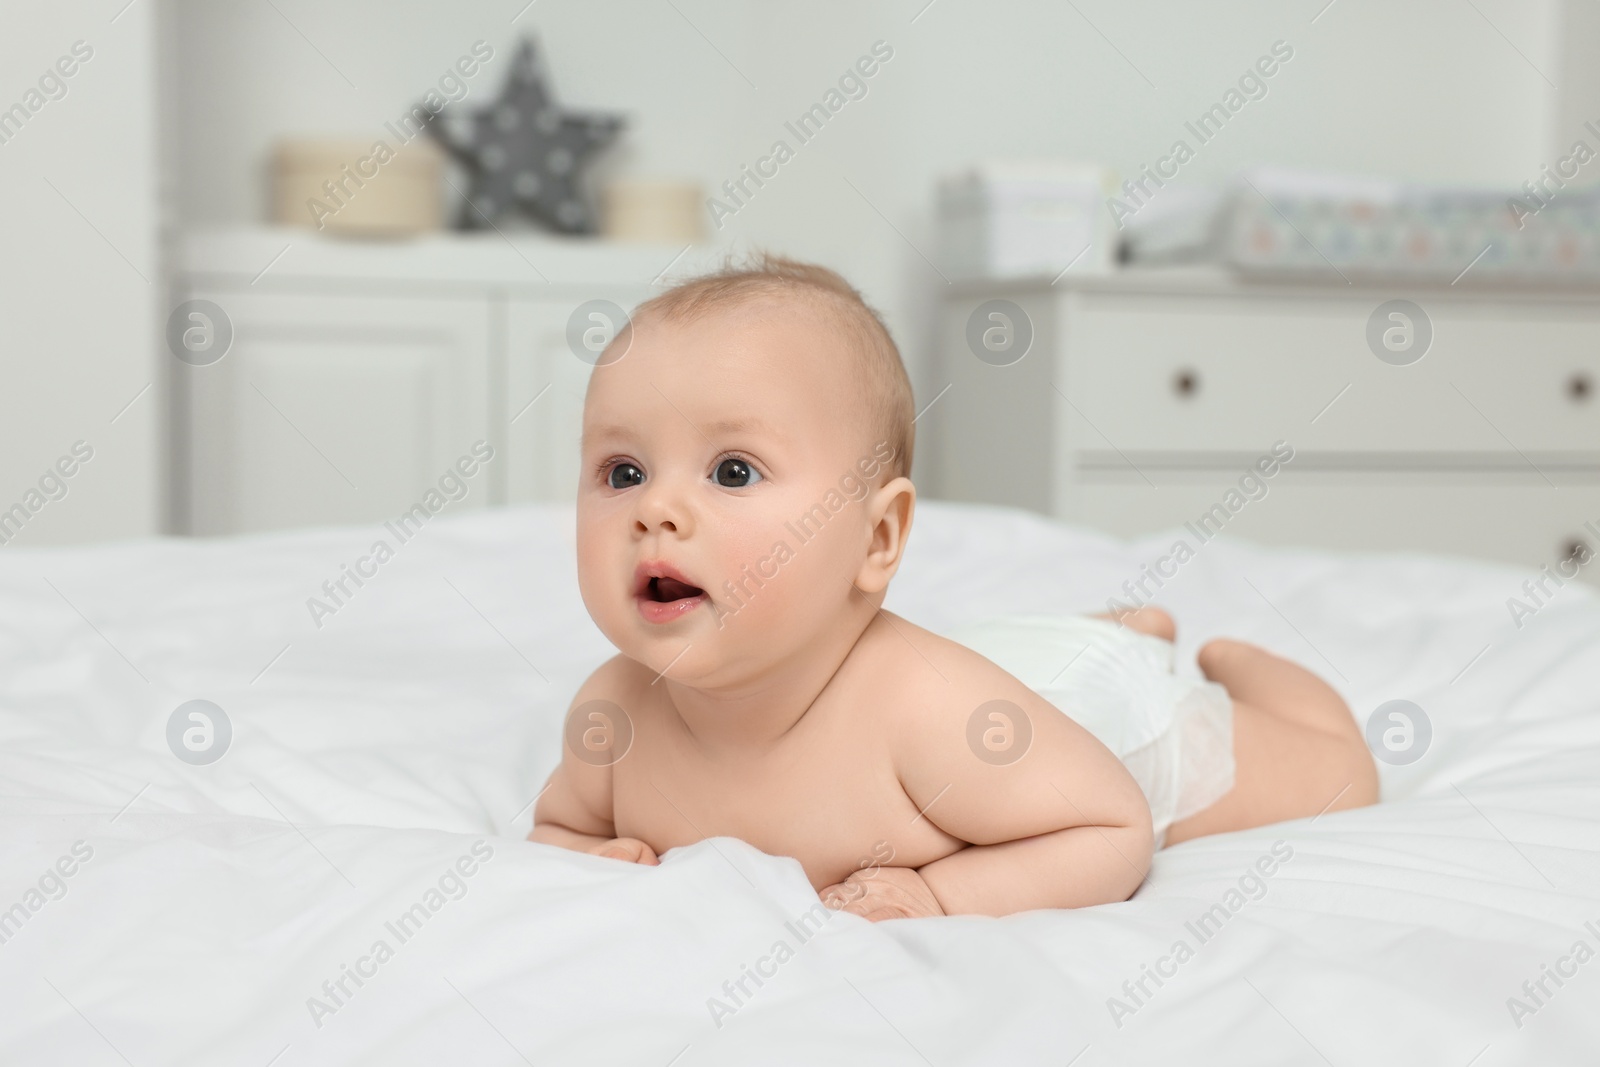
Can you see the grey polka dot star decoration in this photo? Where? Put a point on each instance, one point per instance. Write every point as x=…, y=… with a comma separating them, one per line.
x=524, y=152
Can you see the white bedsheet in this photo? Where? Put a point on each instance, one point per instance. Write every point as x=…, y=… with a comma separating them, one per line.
x=369, y=756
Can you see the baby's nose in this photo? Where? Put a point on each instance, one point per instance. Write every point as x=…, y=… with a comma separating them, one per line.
x=661, y=507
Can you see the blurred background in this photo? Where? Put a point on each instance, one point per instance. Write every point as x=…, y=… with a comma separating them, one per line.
x=1311, y=273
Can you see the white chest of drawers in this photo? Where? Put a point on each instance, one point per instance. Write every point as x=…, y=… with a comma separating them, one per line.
x=361, y=372
x=1144, y=397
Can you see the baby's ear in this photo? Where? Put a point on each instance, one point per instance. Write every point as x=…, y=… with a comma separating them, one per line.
x=889, y=509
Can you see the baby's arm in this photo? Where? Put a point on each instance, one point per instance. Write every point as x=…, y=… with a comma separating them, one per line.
x=574, y=811
x=1063, y=826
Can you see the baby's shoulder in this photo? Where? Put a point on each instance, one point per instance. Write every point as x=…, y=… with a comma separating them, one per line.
x=932, y=679
x=960, y=727
x=620, y=680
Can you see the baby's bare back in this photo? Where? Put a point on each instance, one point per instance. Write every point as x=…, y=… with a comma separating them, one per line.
x=881, y=770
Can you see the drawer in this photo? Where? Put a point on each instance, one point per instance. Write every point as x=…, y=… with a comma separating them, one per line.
x=1523, y=525
x=332, y=409
x=1499, y=386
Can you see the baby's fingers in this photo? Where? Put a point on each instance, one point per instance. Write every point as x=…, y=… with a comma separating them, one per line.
x=845, y=896
x=834, y=896
x=889, y=893
x=627, y=848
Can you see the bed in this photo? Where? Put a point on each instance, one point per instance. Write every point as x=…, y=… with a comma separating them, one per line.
x=384, y=757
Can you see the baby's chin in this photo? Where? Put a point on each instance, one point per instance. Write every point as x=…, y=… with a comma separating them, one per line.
x=691, y=659
x=707, y=643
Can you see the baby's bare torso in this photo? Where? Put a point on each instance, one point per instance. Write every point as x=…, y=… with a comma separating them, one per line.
x=826, y=792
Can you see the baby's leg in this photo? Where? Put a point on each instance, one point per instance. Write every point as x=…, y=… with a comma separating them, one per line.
x=1297, y=749
x=1152, y=621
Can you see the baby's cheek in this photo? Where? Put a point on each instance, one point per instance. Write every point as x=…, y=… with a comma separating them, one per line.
x=591, y=568
x=603, y=573
x=753, y=583
x=829, y=553
x=752, y=544
x=756, y=558
x=798, y=576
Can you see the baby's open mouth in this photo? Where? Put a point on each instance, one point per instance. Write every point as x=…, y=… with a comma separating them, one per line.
x=666, y=590
x=664, y=593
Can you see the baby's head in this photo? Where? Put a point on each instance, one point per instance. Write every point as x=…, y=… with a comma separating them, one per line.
x=745, y=489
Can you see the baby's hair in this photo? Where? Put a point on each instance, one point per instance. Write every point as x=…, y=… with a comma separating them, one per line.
x=882, y=372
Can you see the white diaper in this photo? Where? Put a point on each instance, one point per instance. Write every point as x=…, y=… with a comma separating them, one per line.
x=1174, y=734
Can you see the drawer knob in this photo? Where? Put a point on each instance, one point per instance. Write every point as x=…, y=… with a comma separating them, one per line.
x=1574, y=549
x=1186, y=383
x=1579, y=386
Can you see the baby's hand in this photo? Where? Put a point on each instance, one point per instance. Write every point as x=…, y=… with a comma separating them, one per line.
x=626, y=848
x=878, y=893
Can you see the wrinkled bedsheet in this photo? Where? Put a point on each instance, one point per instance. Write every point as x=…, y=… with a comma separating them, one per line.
x=349, y=883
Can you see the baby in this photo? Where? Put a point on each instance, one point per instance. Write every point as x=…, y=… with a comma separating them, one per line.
x=744, y=503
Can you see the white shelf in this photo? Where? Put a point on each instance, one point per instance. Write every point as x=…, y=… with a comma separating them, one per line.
x=277, y=256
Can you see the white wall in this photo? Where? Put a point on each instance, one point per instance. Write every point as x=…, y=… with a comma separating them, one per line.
x=1578, y=34
x=1421, y=89
x=81, y=283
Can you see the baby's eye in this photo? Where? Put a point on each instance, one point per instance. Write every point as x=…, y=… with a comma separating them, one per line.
x=624, y=475
x=735, y=473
